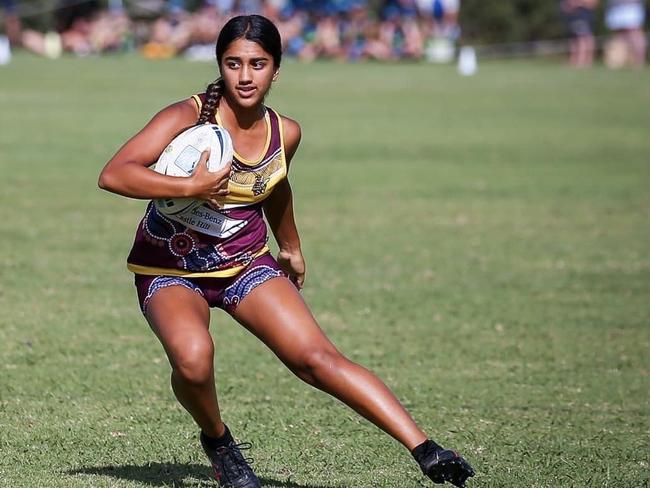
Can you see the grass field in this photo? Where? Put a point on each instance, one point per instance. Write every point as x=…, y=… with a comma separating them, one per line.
x=481, y=244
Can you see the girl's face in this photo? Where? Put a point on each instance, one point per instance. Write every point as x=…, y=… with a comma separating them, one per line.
x=247, y=71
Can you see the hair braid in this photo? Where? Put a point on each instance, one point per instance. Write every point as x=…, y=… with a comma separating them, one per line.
x=212, y=96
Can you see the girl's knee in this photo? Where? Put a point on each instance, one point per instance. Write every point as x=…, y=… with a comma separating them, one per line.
x=193, y=362
x=317, y=364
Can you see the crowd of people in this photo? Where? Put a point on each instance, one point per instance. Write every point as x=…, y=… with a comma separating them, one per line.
x=310, y=29
x=335, y=29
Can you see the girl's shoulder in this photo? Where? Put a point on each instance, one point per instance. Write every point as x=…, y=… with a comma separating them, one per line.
x=174, y=117
x=185, y=109
x=291, y=132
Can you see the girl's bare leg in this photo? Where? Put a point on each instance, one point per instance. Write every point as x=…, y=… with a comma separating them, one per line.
x=276, y=313
x=180, y=318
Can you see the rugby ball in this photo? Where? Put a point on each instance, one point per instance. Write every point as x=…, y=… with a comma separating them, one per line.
x=181, y=157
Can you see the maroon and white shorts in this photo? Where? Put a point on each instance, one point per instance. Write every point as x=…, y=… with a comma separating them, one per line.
x=225, y=293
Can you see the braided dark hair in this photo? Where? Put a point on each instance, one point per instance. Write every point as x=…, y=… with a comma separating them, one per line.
x=212, y=96
x=254, y=28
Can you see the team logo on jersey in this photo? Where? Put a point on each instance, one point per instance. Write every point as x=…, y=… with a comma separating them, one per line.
x=259, y=187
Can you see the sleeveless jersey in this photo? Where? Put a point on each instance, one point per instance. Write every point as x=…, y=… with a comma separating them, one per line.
x=204, y=242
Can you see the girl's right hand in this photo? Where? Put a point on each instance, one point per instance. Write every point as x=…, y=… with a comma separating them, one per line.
x=209, y=186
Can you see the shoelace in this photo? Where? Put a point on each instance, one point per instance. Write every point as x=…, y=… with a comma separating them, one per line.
x=238, y=463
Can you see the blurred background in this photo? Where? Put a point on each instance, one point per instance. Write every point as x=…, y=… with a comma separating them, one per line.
x=385, y=30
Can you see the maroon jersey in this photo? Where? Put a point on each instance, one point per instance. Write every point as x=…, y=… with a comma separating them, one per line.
x=206, y=242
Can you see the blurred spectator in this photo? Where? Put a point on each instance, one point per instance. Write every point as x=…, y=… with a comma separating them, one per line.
x=249, y=6
x=12, y=27
x=170, y=34
x=445, y=14
x=205, y=25
x=400, y=30
x=74, y=24
x=327, y=38
x=360, y=35
x=579, y=15
x=82, y=29
x=626, y=18
x=441, y=28
x=9, y=30
x=272, y=8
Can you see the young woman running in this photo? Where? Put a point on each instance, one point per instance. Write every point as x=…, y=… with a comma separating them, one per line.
x=180, y=272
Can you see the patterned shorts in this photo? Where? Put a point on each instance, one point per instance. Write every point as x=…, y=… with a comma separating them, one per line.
x=225, y=293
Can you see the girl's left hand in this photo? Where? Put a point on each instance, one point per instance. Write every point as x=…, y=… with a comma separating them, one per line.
x=293, y=264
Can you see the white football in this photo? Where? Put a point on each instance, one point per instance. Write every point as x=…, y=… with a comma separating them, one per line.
x=182, y=155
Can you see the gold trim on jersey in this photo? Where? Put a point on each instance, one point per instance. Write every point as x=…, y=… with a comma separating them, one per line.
x=243, y=160
x=222, y=273
x=281, y=128
x=199, y=103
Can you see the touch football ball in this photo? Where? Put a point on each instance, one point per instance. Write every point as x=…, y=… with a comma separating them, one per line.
x=181, y=157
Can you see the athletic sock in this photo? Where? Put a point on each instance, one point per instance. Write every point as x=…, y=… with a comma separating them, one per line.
x=423, y=450
x=217, y=442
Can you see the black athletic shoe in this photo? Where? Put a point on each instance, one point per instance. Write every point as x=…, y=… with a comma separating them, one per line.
x=231, y=469
x=442, y=465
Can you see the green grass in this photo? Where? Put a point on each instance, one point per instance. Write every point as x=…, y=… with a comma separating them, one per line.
x=480, y=243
